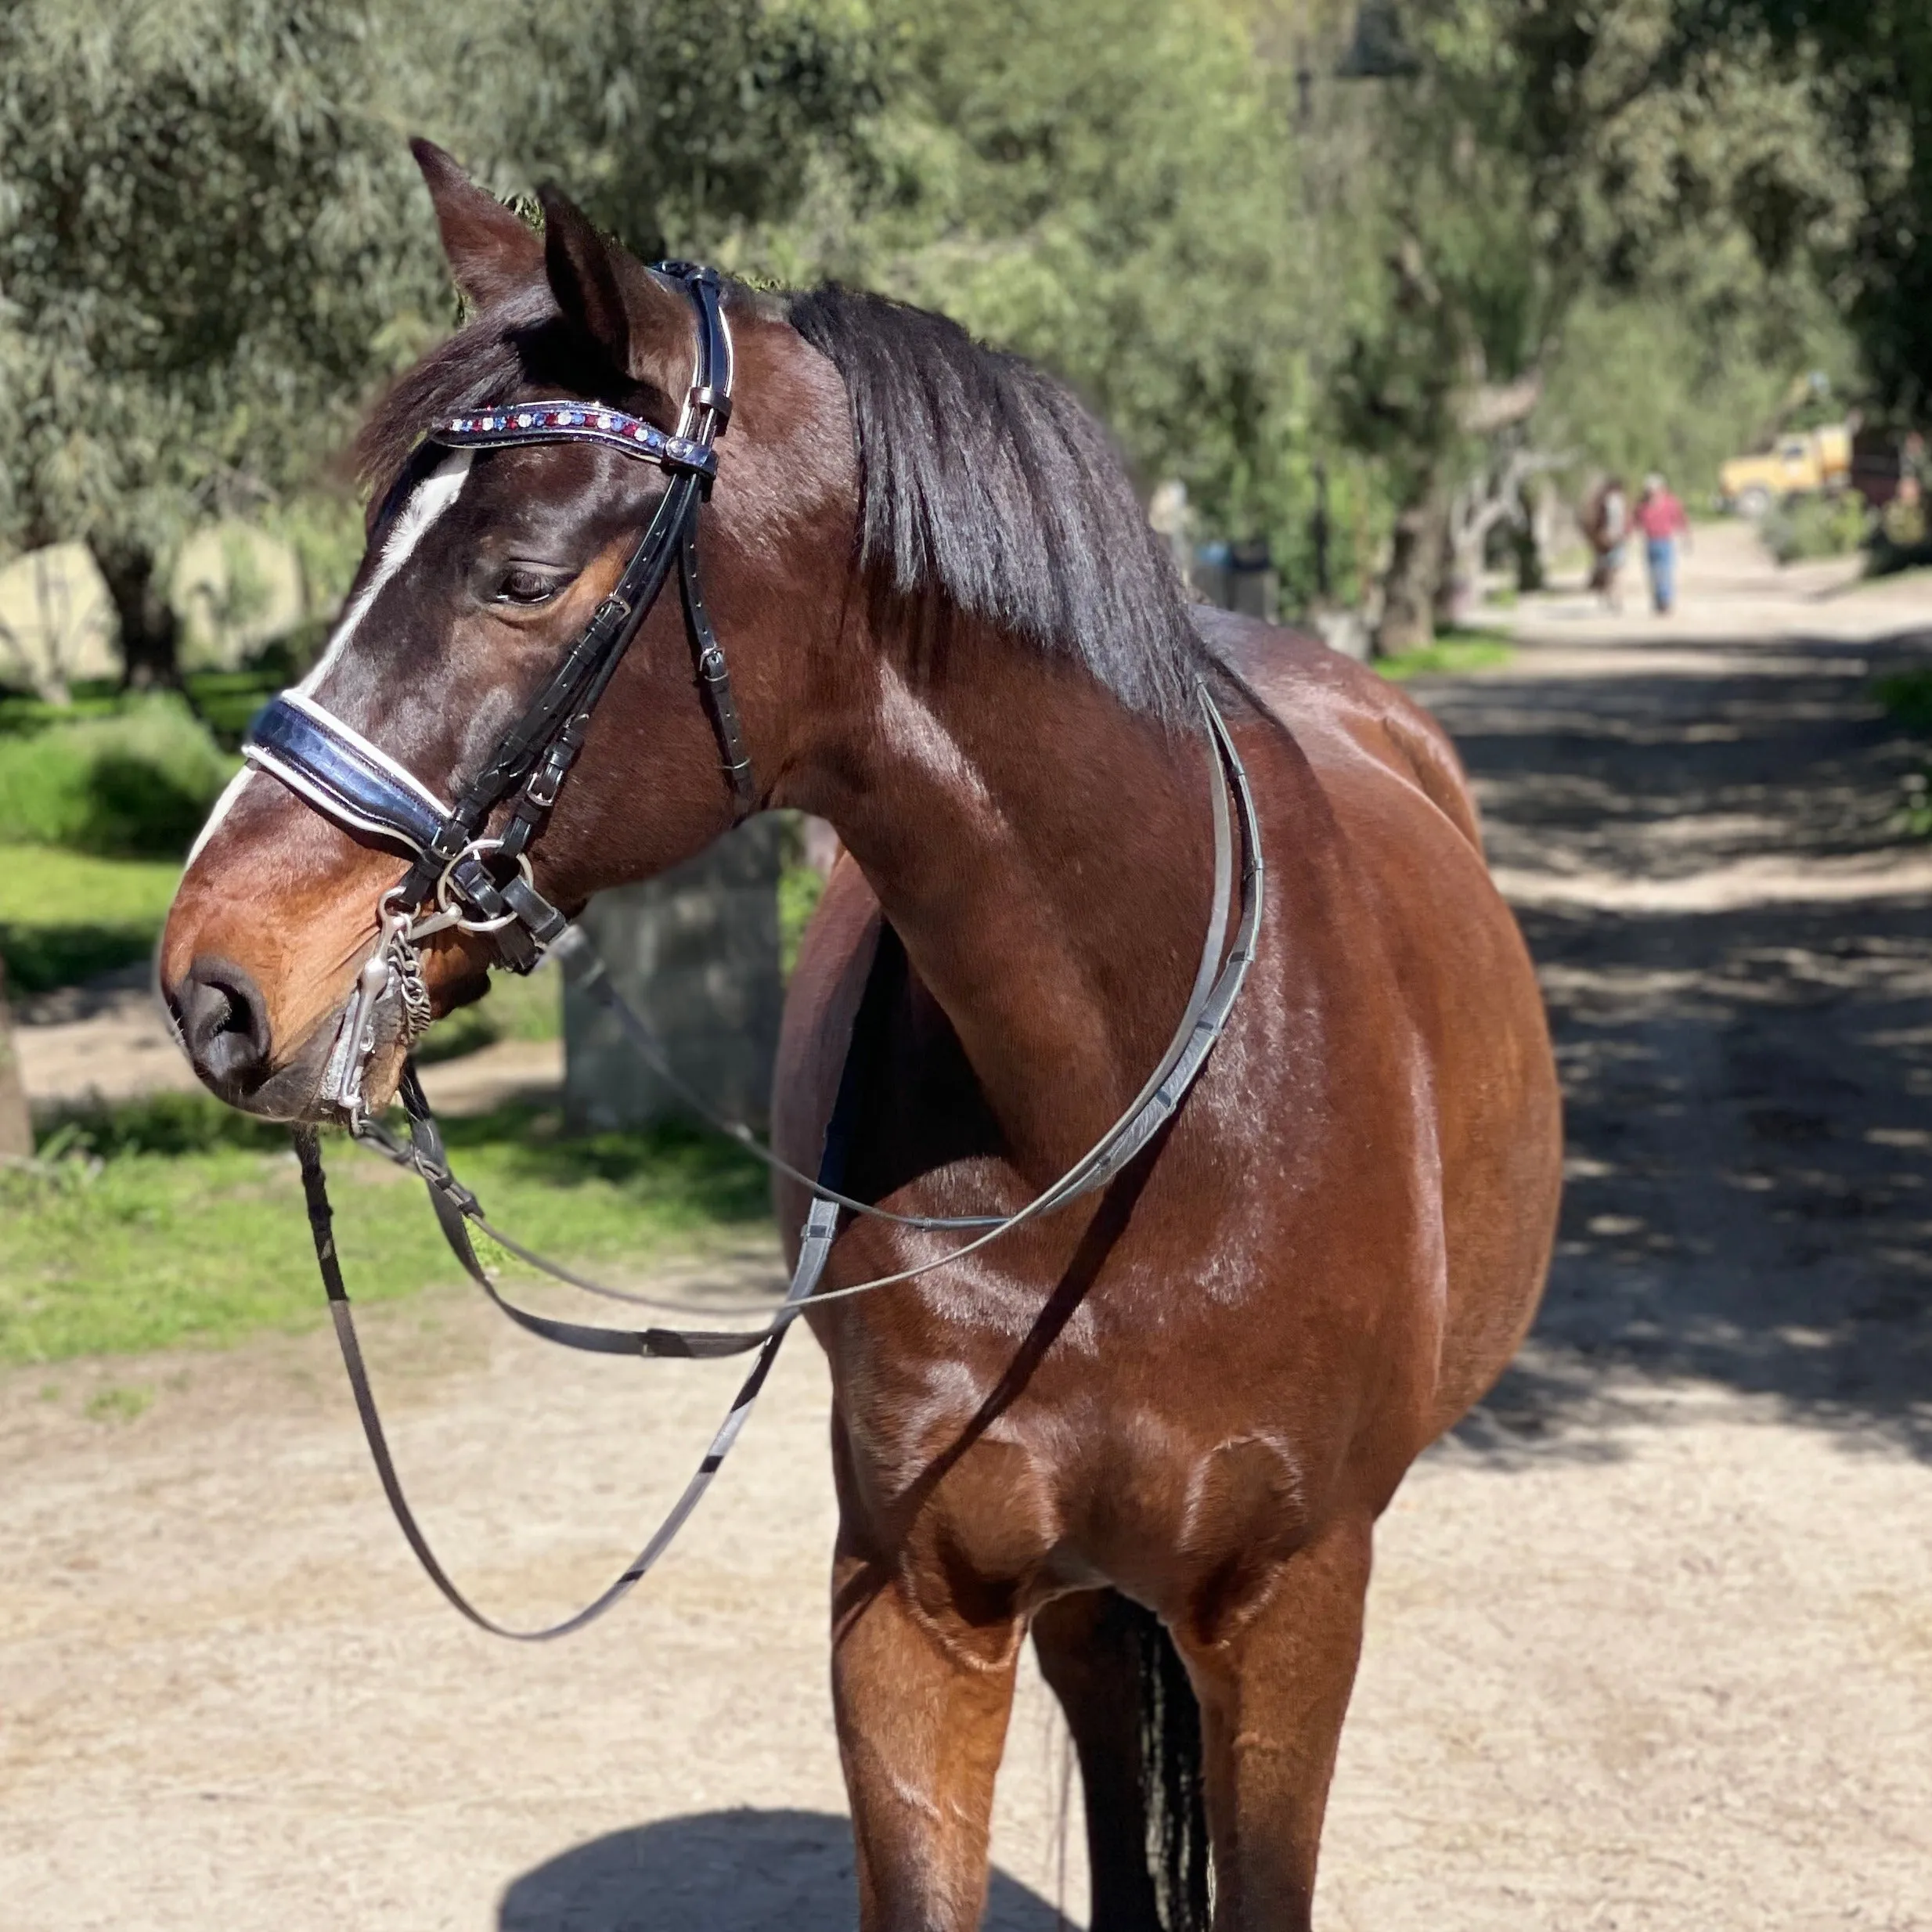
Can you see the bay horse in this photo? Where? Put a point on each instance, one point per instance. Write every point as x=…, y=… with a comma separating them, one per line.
x=1153, y=1431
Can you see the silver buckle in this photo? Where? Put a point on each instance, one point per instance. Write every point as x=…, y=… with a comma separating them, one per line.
x=448, y=915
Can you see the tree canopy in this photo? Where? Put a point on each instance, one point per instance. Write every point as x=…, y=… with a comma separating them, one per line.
x=1332, y=307
x=1555, y=173
x=205, y=239
x=1868, y=69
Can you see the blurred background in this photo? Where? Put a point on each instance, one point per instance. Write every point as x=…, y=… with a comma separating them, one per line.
x=1381, y=300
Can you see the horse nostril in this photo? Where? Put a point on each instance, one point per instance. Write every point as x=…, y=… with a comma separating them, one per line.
x=224, y=1023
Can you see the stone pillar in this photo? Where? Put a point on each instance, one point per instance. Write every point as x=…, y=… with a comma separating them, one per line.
x=696, y=952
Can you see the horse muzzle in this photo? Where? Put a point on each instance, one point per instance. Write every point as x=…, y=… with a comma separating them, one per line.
x=347, y=1065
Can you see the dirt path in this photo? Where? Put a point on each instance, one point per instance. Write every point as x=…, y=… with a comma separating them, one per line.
x=1650, y=1644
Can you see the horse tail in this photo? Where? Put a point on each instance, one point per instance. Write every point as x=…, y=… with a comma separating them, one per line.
x=1171, y=1784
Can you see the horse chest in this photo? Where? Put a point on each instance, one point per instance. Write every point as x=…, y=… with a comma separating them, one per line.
x=1065, y=1487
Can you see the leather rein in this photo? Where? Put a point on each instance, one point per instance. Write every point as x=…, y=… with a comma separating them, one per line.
x=464, y=875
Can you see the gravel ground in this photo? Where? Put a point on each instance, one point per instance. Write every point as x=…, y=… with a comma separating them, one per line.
x=1650, y=1643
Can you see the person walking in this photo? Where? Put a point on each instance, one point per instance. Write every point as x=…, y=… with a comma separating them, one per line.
x=1660, y=518
x=1609, y=527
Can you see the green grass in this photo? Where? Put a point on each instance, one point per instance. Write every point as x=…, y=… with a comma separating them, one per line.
x=136, y=783
x=173, y=1222
x=1906, y=697
x=227, y=700
x=1813, y=527
x=22, y=714
x=65, y=916
x=800, y=888
x=113, y=1404
x=1454, y=654
x=514, y=1008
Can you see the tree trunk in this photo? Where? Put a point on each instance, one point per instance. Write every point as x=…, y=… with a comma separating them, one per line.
x=1320, y=536
x=696, y=951
x=16, y=1125
x=1466, y=531
x=149, y=629
x=1463, y=537
x=1530, y=540
x=1409, y=591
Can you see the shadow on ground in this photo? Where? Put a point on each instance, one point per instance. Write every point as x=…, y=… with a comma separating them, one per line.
x=1748, y=1088
x=740, y=1871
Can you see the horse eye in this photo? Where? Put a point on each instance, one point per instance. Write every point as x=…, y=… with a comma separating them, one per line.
x=520, y=584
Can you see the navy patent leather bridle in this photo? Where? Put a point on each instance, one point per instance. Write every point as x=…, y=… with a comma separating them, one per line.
x=483, y=883
x=462, y=875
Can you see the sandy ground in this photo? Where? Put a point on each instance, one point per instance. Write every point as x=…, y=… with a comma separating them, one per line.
x=1650, y=1642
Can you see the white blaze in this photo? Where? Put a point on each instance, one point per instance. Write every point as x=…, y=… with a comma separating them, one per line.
x=427, y=502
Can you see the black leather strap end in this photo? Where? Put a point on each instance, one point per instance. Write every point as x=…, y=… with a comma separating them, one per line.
x=714, y=677
x=546, y=923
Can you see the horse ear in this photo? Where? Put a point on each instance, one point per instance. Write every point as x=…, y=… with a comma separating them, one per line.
x=493, y=253
x=611, y=297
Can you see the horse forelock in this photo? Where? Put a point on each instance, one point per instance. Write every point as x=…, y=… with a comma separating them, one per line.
x=480, y=363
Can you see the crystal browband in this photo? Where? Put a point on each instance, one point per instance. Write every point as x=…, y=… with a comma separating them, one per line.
x=576, y=422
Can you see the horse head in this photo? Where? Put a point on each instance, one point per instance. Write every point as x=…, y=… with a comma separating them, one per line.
x=483, y=566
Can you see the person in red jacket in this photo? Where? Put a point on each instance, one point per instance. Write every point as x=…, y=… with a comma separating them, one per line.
x=1660, y=518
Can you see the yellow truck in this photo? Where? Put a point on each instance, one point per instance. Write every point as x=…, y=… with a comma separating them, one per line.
x=1801, y=463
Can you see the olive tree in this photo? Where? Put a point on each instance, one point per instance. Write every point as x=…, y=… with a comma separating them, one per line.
x=1541, y=157
x=1868, y=70
x=210, y=243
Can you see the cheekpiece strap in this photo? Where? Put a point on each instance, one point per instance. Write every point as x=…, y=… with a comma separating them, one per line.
x=576, y=422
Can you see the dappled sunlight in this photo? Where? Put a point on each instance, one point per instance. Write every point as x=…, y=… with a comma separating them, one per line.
x=1748, y=1202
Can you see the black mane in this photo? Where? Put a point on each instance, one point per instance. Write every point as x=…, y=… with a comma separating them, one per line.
x=986, y=485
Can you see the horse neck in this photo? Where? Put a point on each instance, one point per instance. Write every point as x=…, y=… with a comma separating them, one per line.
x=1045, y=855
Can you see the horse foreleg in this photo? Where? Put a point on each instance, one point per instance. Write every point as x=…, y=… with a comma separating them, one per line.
x=1274, y=1673
x=922, y=1694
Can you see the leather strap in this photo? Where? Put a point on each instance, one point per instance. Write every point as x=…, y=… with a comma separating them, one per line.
x=707, y=658
x=1208, y=1006
x=343, y=776
x=1204, y=1017
x=815, y=1246
x=523, y=423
